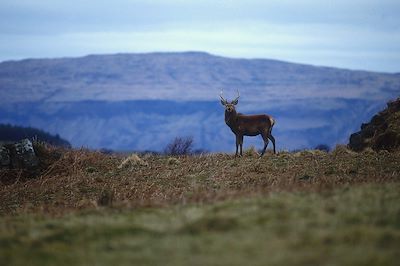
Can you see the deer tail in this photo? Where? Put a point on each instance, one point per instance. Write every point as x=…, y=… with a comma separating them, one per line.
x=272, y=121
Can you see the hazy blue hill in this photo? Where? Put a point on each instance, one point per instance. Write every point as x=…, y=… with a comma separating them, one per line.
x=186, y=76
x=151, y=124
x=142, y=101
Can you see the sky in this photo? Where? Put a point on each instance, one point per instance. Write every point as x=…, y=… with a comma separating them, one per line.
x=353, y=34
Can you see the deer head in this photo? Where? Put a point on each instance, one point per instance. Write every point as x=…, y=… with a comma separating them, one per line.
x=229, y=106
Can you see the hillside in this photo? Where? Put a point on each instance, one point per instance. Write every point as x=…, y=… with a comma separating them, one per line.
x=382, y=132
x=10, y=133
x=80, y=178
x=290, y=208
x=143, y=101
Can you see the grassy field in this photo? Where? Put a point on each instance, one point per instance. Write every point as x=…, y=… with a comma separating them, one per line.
x=304, y=208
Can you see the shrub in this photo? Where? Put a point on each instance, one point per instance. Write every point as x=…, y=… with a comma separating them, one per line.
x=180, y=146
x=322, y=147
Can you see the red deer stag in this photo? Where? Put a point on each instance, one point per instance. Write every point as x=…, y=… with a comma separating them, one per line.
x=247, y=125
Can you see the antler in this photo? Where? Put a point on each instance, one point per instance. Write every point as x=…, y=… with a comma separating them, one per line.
x=237, y=98
x=222, y=98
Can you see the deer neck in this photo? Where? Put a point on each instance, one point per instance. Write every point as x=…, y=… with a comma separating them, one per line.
x=230, y=119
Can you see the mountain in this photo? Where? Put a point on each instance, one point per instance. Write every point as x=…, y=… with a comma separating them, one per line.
x=143, y=101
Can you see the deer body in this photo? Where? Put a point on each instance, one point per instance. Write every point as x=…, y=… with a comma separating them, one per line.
x=248, y=125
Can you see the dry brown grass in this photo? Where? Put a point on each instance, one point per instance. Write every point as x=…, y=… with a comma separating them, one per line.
x=80, y=179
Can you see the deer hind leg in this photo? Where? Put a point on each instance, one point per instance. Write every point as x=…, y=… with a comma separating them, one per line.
x=265, y=138
x=272, y=140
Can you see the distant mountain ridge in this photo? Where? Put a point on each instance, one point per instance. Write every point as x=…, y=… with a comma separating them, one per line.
x=181, y=76
x=143, y=101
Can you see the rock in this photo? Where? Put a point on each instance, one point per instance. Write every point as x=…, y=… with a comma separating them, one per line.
x=381, y=133
x=20, y=155
x=26, y=156
x=4, y=156
x=357, y=142
x=386, y=141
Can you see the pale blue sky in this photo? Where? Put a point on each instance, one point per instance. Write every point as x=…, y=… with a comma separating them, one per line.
x=356, y=34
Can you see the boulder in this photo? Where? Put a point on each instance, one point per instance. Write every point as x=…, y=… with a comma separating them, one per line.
x=4, y=156
x=20, y=155
x=381, y=133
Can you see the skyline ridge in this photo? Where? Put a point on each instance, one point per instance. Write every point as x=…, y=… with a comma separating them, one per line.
x=194, y=52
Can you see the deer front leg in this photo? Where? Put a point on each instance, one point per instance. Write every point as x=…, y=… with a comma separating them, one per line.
x=237, y=145
x=241, y=144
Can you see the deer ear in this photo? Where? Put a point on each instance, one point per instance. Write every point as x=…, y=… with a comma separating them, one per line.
x=223, y=102
x=234, y=102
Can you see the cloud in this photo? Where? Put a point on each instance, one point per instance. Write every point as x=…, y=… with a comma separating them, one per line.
x=344, y=47
x=356, y=34
x=65, y=16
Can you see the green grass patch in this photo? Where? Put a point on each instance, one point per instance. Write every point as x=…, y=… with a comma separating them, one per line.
x=353, y=225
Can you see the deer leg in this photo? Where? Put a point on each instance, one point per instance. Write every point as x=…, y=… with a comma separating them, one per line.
x=237, y=145
x=265, y=138
x=272, y=140
x=241, y=145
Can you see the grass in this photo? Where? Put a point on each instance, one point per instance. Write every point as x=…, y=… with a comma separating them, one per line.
x=80, y=179
x=347, y=226
x=303, y=208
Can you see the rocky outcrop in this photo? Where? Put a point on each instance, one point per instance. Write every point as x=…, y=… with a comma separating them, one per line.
x=4, y=157
x=20, y=155
x=382, y=132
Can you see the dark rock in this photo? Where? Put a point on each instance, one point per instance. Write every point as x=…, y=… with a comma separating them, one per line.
x=4, y=156
x=368, y=132
x=20, y=155
x=387, y=141
x=381, y=133
x=357, y=142
x=394, y=106
x=25, y=154
x=363, y=126
x=377, y=120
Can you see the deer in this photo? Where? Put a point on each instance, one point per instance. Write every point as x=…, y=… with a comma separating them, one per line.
x=247, y=125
